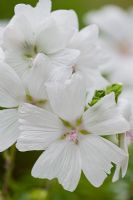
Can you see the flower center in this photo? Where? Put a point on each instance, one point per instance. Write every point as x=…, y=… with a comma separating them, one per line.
x=39, y=103
x=30, y=51
x=73, y=136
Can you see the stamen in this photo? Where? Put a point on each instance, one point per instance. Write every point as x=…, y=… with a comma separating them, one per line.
x=73, y=136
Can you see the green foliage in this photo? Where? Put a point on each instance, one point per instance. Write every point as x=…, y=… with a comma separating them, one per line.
x=116, y=88
x=97, y=96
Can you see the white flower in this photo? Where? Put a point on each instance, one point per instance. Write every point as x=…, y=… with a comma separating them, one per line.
x=13, y=93
x=114, y=21
x=116, y=25
x=36, y=30
x=71, y=136
x=91, y=57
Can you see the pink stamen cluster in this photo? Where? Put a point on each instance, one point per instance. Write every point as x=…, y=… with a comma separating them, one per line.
x=73, y=135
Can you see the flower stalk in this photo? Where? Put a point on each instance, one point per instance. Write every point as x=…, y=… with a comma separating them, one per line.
x=9, y=157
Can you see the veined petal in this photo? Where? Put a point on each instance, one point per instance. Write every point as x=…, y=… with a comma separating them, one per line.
x=9, y=131
x=39, y=128
x=18, y=44
x=97, y=155
x=92, y=54
x=66, y=57
x=49, y=43
x=68, y=99
x=12, y=92
x=61, y=160
x=104, y=118
x=18, y=34
x=39, y=75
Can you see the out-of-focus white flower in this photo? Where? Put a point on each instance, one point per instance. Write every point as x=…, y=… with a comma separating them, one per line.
x=13, y=93
x=71, y=136
x=117, y=32
x=38, y=30
x=117, y=39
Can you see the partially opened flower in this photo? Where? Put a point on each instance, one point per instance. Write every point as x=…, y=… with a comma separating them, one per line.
x=71, y=135
x=13, y=93
x=30, y=32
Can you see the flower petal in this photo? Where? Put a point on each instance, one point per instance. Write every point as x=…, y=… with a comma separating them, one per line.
x=18, y=44
x=39, y=75
x=104, y=118
x=49, y=43
x=67, y=19
x=122, y=168
x=61, y=160
x=39, y=128
x=68, y=99
x=66, y=57
x=92, y=54
x=35, y=15
x=9, y=131
x=12, y=92
x=97, y=155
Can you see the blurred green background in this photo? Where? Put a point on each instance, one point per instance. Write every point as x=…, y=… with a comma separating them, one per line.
x=22, y=186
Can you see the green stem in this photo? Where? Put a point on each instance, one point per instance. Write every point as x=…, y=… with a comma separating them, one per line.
x=9, y=156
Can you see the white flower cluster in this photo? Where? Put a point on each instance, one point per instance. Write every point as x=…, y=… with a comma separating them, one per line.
x=54, y=98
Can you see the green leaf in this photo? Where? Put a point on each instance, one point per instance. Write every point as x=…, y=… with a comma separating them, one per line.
x=116, y=88
x=97, y=96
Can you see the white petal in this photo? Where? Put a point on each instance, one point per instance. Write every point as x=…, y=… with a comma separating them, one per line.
x=18, y=42
x=97, y=155
x=61, y=160
x=17, y=34
x=68, y=99
x=92, y=54
x=2, y=55
x=9, y=131
x=65, y=57
x=39, y=128
x=34, y=15
x=39, y=75
x=104, y=118
x=121, y=169
x=52, y=38
x=11, y=89
x=92, y=77
x=85, y=36
x=67, y=19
